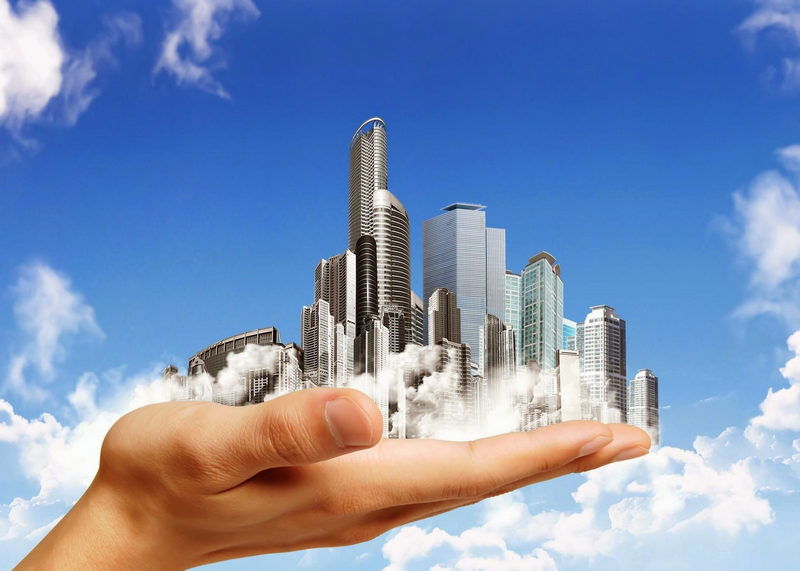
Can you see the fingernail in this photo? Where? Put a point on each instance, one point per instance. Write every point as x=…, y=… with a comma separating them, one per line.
x=348, y=423
x=631, y=453
x=594, y=445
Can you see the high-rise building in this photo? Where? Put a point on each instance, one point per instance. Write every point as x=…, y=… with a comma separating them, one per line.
x=417, y=320
x=394, y=320
x=368, y=173
x=280, y=375
x=335, y=282
x=318, y=338
x=454, y=257
x=444, y=317
x=496, y=272
x=391, y=231
x=372, y=348
x=497, y=361
x=513, y=310
x=600, y=342
x=458, y=407
x=570, y=329
x=542, y=311
x=643, y=403
x=366, y=281
x=569, y=385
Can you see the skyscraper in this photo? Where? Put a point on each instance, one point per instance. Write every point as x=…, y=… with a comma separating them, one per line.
x=496, y=272
x=454, y=257
x=391, y=230
x=643, y=403
x=366, y=281
x=601, y=345
x=372, y=348
x=318, y=332
x=497, y=359
x=513, y=309
x=417, y=320
x=543, y=311
x=444, y=317
x=335, y=282
x=368, y=173
x=570, y=328
x=457, y=408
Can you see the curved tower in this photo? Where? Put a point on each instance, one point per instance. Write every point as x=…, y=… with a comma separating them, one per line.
x=366, y=281
x=368, y=173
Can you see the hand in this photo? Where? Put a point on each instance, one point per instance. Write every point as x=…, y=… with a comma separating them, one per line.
x=186, y=484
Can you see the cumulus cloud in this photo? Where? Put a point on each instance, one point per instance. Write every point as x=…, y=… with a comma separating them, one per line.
x=766, y=233
x=779, y=19
x=40, y=78
x=188, y=52
x=48, y=313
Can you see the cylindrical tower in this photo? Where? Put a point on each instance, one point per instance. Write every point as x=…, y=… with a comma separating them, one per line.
x=366, y=280
x=368, y=173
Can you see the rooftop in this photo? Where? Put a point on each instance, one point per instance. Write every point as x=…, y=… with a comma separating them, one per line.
x=463, y=206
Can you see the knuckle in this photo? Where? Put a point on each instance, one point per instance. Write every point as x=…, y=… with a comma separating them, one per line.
x=287, y=439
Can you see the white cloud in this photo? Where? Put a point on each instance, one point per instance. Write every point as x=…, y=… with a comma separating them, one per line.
x=48, y=312
x=188, y=52
x=766, y=233
x=790, y=157
x=40, y=78
x=777, y=18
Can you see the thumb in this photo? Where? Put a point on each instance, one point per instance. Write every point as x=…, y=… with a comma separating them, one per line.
x=302, y=427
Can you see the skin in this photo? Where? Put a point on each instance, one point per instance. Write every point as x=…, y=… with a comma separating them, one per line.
x=187, y=484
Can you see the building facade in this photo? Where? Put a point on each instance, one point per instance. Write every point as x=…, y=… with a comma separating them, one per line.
x=542, y=311
x=643, y=403
x=600, y=342
x=366, y=281
x=368, y=173
x=335, y=282
x=318, y=338
x=570, y=330
x=513, y=310
x=392, y=233
x=214, y=358
x=417, y=320
x=497, y=360
x=496, y=272
x=444, y=317
x=454, y=257
x=569, y=385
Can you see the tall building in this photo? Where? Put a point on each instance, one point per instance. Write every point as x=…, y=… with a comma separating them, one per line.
x=444, y=317
x=335, y=282
x=368, y=173
x=643, y=403
x=569, y=329
x=280, y=375
x=454, y=257
x=394, y=320
x=318, y=337
x=372, y=348
x=417, y=320
x=569, y=385
x=458, y=406
x=391, y=230
x=496, y=272
x=542, y=311
x=497, y=361
x=513, y=310
x=366, y=281
x=601, y=345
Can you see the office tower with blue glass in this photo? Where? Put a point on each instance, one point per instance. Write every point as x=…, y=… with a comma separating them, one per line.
x=496, y=271
x=542, y=311
x=570, y=329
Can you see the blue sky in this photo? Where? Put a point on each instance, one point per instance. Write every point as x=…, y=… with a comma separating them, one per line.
x=613, y=135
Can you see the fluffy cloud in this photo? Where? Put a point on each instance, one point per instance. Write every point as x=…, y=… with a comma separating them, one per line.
x=782, y=18
x=48, y=312
x=188, y=53
x=766, y=232
x=39, y=77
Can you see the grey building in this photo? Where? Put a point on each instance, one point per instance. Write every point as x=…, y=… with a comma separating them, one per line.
x=497, y=360
x=496, y=271
x=458, y=406
x=391, y=230
x=569, y=385
x=318, y=338
x=454, y=257
x=335, y=282
x=368, y=173
x=444, y=317
x=600, y=341
x=513, y=310
x=366, y=281
x=214, y=358
x=417, y=320
x=643, y=403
